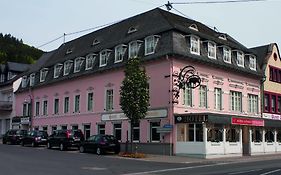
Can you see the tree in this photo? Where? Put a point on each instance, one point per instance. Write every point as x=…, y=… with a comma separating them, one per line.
x=134, y=93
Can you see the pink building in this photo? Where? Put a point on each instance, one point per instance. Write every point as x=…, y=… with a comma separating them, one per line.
x=77, y=86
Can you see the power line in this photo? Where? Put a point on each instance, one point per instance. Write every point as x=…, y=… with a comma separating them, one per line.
x=216, y=2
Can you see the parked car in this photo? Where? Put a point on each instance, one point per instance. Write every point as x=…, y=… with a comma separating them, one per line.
x=13, y=136
x=35, y=138
x=100, y=144
x=65, y=139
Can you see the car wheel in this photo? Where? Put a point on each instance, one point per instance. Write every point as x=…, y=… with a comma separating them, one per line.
x=62, y=147
x=49, y=146
x=81, y=149
x=99, y=152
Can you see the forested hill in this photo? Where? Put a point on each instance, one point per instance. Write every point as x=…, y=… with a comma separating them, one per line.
x=14, y=50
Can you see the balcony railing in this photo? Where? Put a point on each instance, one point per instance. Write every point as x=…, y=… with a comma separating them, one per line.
x=6, y=105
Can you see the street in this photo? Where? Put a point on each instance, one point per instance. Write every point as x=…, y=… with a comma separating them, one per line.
x=41, y=161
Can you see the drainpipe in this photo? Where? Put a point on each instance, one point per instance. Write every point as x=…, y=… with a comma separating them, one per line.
x=171, y=110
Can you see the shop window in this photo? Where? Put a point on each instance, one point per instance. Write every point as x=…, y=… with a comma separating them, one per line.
x=118, y=131
x=54, y=129
x=190, y=132
x=269, y=135
x=279, y=135
x=199, y=132
x=101, y=129
x=257, y=135
x=87, y=131
x=232, y=134
x=214, y=133
x=136, y=132
x=45, y=128
x=154, y=136
x=64, y=127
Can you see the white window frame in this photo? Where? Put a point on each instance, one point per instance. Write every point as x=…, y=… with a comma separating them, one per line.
x=43, y=74
x=64, y=106
x=240, y=58
x=67, y=67
x=104, y=55
x=76, y=110
x=236, y=101
x=194, y=45
x=226, y=54
x=32, y=79
x=212, y=51
x=203, y=96
x=188, y=96
x=109, y=100
x=58, y=105
x=134, y=48
x=90, y=59
x=24, y=82
x=150, y=44
x=218, y=98
x=253, y=103
x=37, y=108
x=78, y=64
x=120, y=52
x=88, y=101
x=252, y=62
x=45, y=109
x=57, y=70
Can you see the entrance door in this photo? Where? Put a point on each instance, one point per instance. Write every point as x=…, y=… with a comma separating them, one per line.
x=246, y=141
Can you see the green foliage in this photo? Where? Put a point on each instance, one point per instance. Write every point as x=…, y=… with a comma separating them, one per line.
x=14, y=50
x=134, y=92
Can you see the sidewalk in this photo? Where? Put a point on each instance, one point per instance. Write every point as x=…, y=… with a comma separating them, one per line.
x=184, y=159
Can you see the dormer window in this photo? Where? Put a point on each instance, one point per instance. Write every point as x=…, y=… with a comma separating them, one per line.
x=226, y=54
x=104, y=55
x=95, y=42
x=90, y=59
x=212, y=50
x=78, y=64
x=69, y=51
x=43, y=74
x=240, y=59
x=57, y=70
x=132, y=30
x=11, y=75
x=2, y=78
x=195, y=45
x=119, y=53
x=31, y=79
x=24, y=81
x=193, y=27
x=134, y=48
x=252, y=62
x=67, y=67
x=150, y=44
x=222, y=36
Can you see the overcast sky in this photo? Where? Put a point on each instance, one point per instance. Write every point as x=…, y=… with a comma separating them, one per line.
x=38, y=21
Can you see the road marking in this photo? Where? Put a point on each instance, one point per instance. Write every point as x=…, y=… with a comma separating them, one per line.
x=93, y=168
x=241, y=172
x=175, y=169
x=270, y=172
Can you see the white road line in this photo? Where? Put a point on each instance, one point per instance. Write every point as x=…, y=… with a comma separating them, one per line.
x=270, y=172
x=175, y=169
x=241, y=172
x=93, y=168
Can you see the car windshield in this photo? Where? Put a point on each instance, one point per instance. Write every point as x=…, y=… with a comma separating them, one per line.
x=42, y=133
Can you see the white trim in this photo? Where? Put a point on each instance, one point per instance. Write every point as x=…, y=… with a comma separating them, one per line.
x=104, y=54
x=226, y=49
x=254, y=59
x=138, y=45
x=57, y=66
x=155, y=39
x=212, y=45
x=91, y=56
x=123, y=48
x=43, y=74
x=193, y=27
x=78, y=64
x=239, y=54
x=194, y=40
x=64, y=67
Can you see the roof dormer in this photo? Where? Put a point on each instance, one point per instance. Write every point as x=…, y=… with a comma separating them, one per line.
x=193, y=27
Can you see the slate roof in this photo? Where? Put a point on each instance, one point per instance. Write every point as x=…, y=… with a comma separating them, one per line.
x=17, y=67
x=172, y=28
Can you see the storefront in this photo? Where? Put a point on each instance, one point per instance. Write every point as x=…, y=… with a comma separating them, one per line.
x=215, y=135
x=20, y=122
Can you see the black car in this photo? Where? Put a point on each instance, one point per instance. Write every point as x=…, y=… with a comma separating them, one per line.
x=35, y=138
x=14, y=136
x=100, y=144
x=65, y=139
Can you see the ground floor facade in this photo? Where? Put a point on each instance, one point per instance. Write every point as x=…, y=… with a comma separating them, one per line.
x=5, y=124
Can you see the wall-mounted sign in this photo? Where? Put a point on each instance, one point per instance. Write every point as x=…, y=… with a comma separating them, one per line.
x=249, y=122
x=25, y=120
x=191, y=119
x=155, y=113
x=271, y=116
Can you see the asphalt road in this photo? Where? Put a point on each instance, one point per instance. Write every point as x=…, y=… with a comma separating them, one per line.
x=16, y=160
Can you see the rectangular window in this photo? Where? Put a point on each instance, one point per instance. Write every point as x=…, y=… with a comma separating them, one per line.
x=273, y=103
x=109, y=100
x=43, y=74
x=57, y=70
x=218, y=98
x=54, y=129
x=26, y=109
x=150, y=44
x=45, y=107
x=66, y=104
x=154, y=135
x=279, y=104
x=90, y=101
x=77, y=103
x=118, y=131
x=74, y=127
x=134, y=47
x=45, y=128
x=87, y=131
x=136, y=132
x=252, y=103
x=78, y=64
x=101, y=129
x=227, y=54
x=104, y=55
x=236, y=101
x=2, y=78
x=56, y=106
x=90, y=59
x=194, y=45
x=32, y=79
x=119, y=53
x=24, y=82
x=187, y=96
x=212, y=50
x=203, y=96
x=37, y=108
x=240, y=59
x=266, y=102
x=253, y=62
x=67, y=67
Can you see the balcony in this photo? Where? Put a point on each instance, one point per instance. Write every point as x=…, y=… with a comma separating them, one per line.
x=6, y=105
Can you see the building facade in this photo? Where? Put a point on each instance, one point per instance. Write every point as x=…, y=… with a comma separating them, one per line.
x=77, y=87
